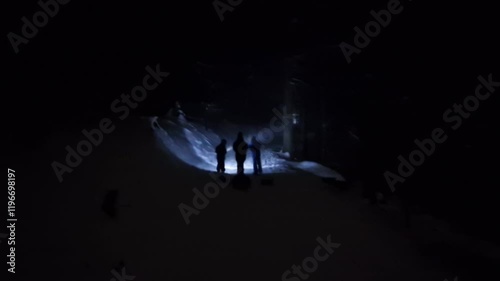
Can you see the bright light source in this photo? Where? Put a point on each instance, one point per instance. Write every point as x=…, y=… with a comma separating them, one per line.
x=192, y=144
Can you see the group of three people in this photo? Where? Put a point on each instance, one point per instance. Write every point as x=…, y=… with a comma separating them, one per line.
x=240, y=148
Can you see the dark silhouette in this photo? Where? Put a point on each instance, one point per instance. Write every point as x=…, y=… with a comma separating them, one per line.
x=255, y=149
x=240, y=148
x=221, y=151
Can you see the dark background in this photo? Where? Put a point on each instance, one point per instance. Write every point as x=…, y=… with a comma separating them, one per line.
x=91, y=52
x=431, y=54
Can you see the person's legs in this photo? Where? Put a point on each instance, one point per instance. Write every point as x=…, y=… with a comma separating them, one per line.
x=259, y=163
x=220, y=165
x=239, y=165
x=255, y=164
x=243, y=165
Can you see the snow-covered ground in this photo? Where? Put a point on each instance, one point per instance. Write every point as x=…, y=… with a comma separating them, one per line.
x=317, y=169
x=194, y=145
x=241, y=235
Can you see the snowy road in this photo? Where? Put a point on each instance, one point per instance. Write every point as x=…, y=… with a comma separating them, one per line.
x=253, y=235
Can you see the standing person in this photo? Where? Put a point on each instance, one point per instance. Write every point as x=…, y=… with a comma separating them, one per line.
x=221, y=151
x=240, y=148
x=255, y=148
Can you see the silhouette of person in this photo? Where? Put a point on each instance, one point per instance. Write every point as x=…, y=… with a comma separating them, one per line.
x=255, y=149
x=221, y=150
x=240, y=148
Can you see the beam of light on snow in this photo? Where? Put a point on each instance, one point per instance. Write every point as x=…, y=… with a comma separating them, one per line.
x=194, y=145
